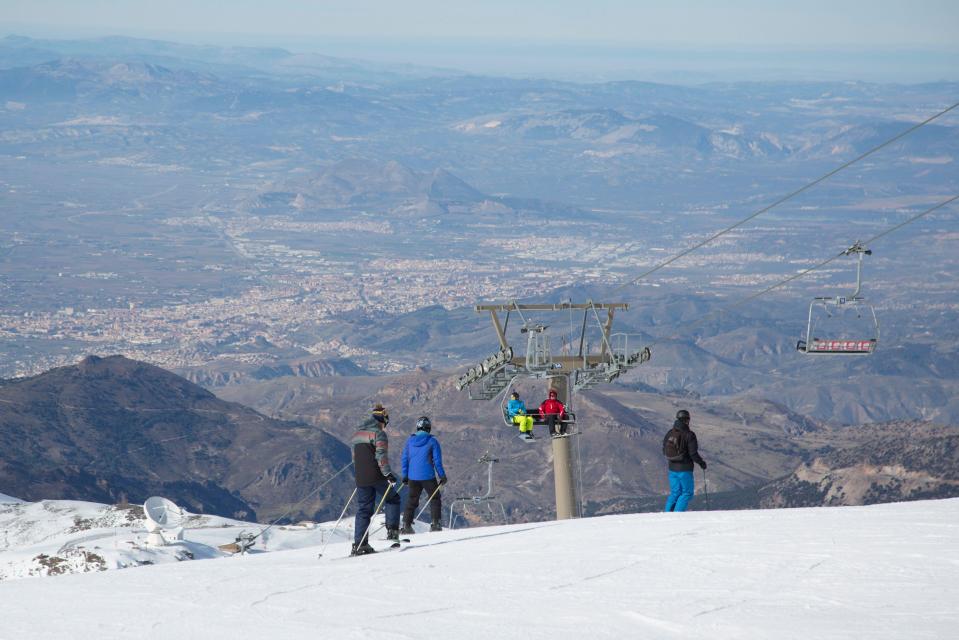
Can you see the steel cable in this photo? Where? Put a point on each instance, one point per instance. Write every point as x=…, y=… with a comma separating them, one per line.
x=784, y=198
x=803, y=272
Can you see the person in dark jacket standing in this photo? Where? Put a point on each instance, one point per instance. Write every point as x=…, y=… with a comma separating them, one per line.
x=422, y=465
x=374, y=479
x=681, y=449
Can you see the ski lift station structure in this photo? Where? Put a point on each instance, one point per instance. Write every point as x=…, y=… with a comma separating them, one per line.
x=566, y=373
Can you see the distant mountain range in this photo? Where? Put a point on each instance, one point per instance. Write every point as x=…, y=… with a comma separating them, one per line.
x=754, y=446
x=615, y=133
x=18, y=51
x=730, y=355
x=225, y=372
x=357, y=184
x=277, y=227
x=109, y=429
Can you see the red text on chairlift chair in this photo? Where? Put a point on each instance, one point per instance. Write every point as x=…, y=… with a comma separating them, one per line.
x=859, y=346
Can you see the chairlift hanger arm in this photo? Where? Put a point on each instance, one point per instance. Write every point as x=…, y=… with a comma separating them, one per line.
x=582, y=334
x=606, y=329
x=605, y=346
x=860, y=251
x=500, y=333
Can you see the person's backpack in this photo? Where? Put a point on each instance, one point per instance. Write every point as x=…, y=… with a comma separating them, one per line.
x=674, y=446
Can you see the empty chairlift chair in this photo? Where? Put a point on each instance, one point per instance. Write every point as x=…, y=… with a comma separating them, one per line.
x=842, y=325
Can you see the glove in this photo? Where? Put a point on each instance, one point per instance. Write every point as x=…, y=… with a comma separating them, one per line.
x=443, y=480
x=391, y=478
x=703, y=465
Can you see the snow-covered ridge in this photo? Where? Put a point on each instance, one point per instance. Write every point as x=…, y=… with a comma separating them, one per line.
x=886, y=571
x=57, y=537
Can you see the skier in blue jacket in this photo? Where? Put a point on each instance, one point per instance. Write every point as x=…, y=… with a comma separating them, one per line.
x=422, y=465
x=516, y=410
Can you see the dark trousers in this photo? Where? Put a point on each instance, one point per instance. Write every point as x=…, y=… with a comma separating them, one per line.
x=413, y=500
x=366, y=500
x=552, y=420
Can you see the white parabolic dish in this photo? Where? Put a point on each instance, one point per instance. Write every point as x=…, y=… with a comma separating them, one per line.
x=163, y=513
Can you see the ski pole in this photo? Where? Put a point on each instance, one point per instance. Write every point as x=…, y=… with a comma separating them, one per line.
x=383, y=526
x=706, y=489
x=428, y=501
x=366, y=533
x=337, y=525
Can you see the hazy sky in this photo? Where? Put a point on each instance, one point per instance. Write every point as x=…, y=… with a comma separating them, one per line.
x=534, y=35
x=738, y=22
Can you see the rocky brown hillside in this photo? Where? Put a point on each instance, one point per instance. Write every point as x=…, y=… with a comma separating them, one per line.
x=109, y=428
x=112, y=427
x=877, y=463
x=748, y=444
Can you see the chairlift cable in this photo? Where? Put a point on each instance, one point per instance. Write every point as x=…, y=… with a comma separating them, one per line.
x=310, y=495
x=805, y=271
x=784, y=198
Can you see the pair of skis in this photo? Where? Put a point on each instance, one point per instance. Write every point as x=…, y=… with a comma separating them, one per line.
x=524, y=437
x=395, y=546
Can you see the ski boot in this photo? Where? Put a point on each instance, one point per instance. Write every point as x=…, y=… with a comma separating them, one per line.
x=392, y=534
x=436, y=526
x=407, y=529
x=361, y=549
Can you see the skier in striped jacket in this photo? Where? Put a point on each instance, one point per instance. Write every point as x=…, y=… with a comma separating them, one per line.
x=374, y=479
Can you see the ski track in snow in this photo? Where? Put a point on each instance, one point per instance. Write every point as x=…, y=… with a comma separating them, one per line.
x=880, y=572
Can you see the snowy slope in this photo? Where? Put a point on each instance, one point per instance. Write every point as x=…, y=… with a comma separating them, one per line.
x=57, y=537
x=883, y=571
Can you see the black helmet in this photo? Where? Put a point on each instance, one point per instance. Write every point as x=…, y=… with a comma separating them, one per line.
x=424, y=424
x=682, y=414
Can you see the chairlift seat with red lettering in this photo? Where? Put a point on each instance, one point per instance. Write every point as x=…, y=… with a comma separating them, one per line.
x=842, y=325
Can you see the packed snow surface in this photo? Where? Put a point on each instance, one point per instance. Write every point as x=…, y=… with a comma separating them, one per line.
x=58, y=537
x=883, y=571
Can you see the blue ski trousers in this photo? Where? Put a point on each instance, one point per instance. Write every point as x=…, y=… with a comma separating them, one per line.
x=681, y=487
x=366, y=500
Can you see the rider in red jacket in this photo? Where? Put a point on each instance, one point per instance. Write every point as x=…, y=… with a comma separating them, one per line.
x=553, y=411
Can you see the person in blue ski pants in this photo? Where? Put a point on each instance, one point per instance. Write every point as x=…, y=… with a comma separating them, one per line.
x=681, y=485
x=681, y=489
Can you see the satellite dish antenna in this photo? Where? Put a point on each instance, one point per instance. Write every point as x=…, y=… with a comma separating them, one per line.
x=163, y=515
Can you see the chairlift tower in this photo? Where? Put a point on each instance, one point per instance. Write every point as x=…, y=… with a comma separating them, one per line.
x=566, y=373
